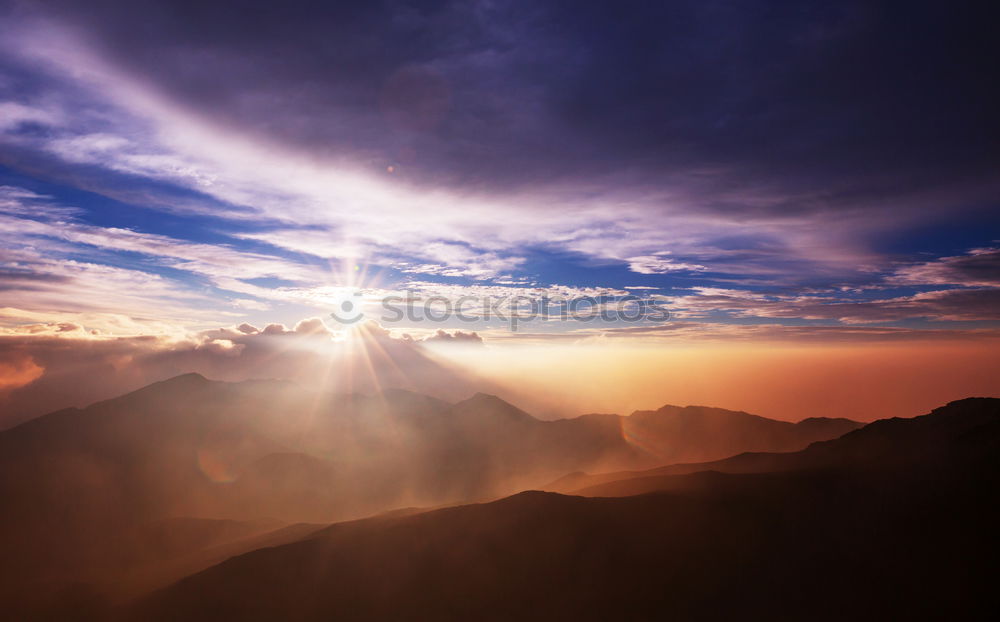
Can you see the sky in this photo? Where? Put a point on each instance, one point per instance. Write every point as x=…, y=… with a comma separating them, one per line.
x=803, y=178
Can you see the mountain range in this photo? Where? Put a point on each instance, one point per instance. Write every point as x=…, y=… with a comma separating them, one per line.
x=896, y=520
x=118, y=501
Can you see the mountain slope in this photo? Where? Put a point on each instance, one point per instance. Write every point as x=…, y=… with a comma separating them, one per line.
x=891, y=522
x=74, y=481
x=882, y=443
x=682, y=434
x=192, y=447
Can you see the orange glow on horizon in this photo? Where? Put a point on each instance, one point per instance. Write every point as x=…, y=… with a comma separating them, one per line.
x=790, y=382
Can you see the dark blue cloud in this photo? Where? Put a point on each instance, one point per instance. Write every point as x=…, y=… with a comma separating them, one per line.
x=861, y=100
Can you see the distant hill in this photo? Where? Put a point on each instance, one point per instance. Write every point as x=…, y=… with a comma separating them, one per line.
x=893, y=521
x=254, y=450
x=680, y=434
x=881, y=443
x=76, y=483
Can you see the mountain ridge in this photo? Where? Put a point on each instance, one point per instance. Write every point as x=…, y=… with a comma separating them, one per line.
x=816, y=455
x=190, y=446
x=776, y=545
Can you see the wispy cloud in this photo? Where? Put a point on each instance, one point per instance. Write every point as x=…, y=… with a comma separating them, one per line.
x=337, y=208
x=493, y=190
x=979, y=267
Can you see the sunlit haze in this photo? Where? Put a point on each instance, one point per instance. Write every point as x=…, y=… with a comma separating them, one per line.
x=626, y=294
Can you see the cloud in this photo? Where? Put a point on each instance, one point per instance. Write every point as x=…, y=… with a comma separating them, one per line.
x=660, y=264
x=14, y=115
x=454, y=337
x=523, y=96
x=44, y=243
x=686, y=333
x=940, y=305
x=275, y=159
x=24, y=202
x=51, y=366
x=312, y=326
x=213, y=260
x=17, y=372
x=979, y=267
x=533, y=149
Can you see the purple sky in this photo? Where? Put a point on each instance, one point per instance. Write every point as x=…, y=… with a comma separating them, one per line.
x=772, y=171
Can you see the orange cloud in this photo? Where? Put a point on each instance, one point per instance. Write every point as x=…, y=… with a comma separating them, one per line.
x=46, y=370
x=18, y=372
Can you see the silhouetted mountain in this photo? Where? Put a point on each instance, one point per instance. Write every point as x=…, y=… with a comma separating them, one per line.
x=893, y=521
x=76, y=482
x=930, y=439
x=189, y=446
x=678, y=434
